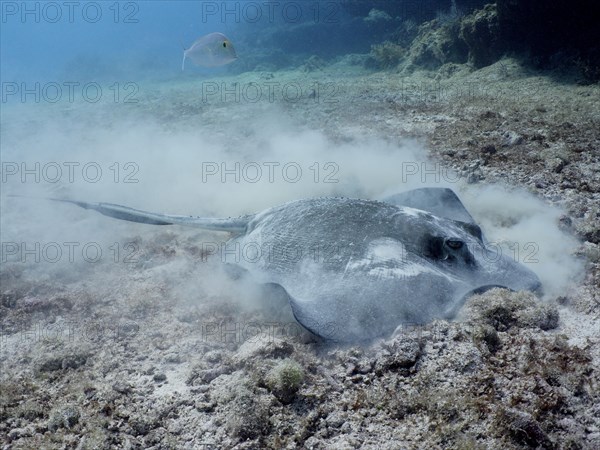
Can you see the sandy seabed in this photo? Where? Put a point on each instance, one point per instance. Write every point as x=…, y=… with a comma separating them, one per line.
x=149, y=344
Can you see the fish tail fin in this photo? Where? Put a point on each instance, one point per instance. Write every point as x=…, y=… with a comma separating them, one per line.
x=231, y=225
x=184, y=50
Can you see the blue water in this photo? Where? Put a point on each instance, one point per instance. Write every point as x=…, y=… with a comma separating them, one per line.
x=67, y=41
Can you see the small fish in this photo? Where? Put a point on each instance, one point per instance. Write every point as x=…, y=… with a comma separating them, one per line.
x=212, y=50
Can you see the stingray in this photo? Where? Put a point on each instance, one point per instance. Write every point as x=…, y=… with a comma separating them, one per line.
x=356, y=269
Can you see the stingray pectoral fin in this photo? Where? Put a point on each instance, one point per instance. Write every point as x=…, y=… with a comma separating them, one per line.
x=230, y=225
x=325, y=329
x=441, y=202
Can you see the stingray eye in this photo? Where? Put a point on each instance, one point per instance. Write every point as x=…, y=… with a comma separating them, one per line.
x=454, y=244
x=225, y=44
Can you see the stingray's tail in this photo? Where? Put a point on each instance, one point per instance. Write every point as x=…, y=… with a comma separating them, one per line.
x=231, y=225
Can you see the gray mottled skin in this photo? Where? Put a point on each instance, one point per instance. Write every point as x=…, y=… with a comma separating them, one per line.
x=356, y=269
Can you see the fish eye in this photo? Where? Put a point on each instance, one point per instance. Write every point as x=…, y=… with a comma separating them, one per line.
x=454, y=244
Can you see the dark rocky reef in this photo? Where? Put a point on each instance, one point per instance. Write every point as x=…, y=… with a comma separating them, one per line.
x=554, y=34
x=480, y=32
x=438, y=43
x=560, y=35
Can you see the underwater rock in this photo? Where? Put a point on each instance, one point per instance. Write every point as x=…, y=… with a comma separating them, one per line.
x=385, y=56
x=504, y=309
x=487, y=335
x=19, y=433
x=159, y=377
x=511, y=138
x=250, y=351
x=480, y=31
x=62, y=362
x=122, y=387
x=30, y=410
x=438, y=44
x=245, y=410
x=489, y=149
x=66, y=417
x=199, y=376
x=589, y=228
x=400, y=353
x=524, y=429
x=556, y=165
x=458, y=32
